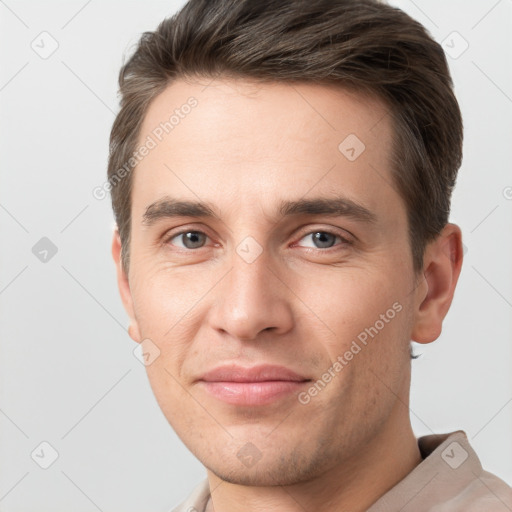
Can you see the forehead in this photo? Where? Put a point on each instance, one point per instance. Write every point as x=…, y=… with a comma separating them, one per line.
x=246, y=105
x=247, y=142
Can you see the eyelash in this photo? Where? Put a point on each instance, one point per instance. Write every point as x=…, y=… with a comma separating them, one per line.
x=344, y=241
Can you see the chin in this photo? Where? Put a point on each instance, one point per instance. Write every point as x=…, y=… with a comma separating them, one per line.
x=272, y=469
x=259, y=478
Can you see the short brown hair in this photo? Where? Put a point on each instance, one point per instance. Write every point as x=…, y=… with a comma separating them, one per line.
x=361, y=44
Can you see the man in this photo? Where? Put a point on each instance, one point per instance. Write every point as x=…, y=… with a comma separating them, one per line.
x=281, y=174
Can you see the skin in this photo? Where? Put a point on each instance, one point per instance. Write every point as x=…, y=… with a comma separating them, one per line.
x=244, y=148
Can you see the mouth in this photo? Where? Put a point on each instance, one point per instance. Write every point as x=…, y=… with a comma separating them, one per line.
x=259, y=385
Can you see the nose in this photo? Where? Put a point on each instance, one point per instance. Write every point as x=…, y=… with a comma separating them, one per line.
x=252, y=298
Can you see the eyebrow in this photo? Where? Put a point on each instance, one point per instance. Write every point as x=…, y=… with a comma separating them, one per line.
x=168, y=207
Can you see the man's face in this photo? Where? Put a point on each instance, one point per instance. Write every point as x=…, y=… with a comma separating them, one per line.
x=251, y=286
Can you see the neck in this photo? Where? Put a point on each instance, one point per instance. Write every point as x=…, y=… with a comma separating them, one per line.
x=355, y=484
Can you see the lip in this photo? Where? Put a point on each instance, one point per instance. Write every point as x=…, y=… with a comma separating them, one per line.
x=257, y=385
x=260, y=373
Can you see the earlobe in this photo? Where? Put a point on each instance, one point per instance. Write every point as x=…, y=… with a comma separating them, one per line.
x=442, y=265
x=124, y=287
x=133, y=331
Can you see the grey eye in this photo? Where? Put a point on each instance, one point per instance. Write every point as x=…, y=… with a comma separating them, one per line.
x=322, y=239
x=190, y=239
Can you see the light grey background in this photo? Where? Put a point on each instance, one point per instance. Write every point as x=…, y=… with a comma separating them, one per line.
x=67, y=369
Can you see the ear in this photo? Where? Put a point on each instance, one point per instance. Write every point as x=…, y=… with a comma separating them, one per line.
x=124, y=287
x=442, y=263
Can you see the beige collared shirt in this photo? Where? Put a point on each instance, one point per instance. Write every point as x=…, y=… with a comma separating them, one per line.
x=450, y=479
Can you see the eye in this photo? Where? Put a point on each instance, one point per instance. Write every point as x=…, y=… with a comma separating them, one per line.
x=324, y=239
x=189, y=239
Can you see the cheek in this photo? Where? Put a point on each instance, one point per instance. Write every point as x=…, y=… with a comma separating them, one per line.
x=165, y=299
x=354, y=303
x=164, y=315
x=171, y=396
